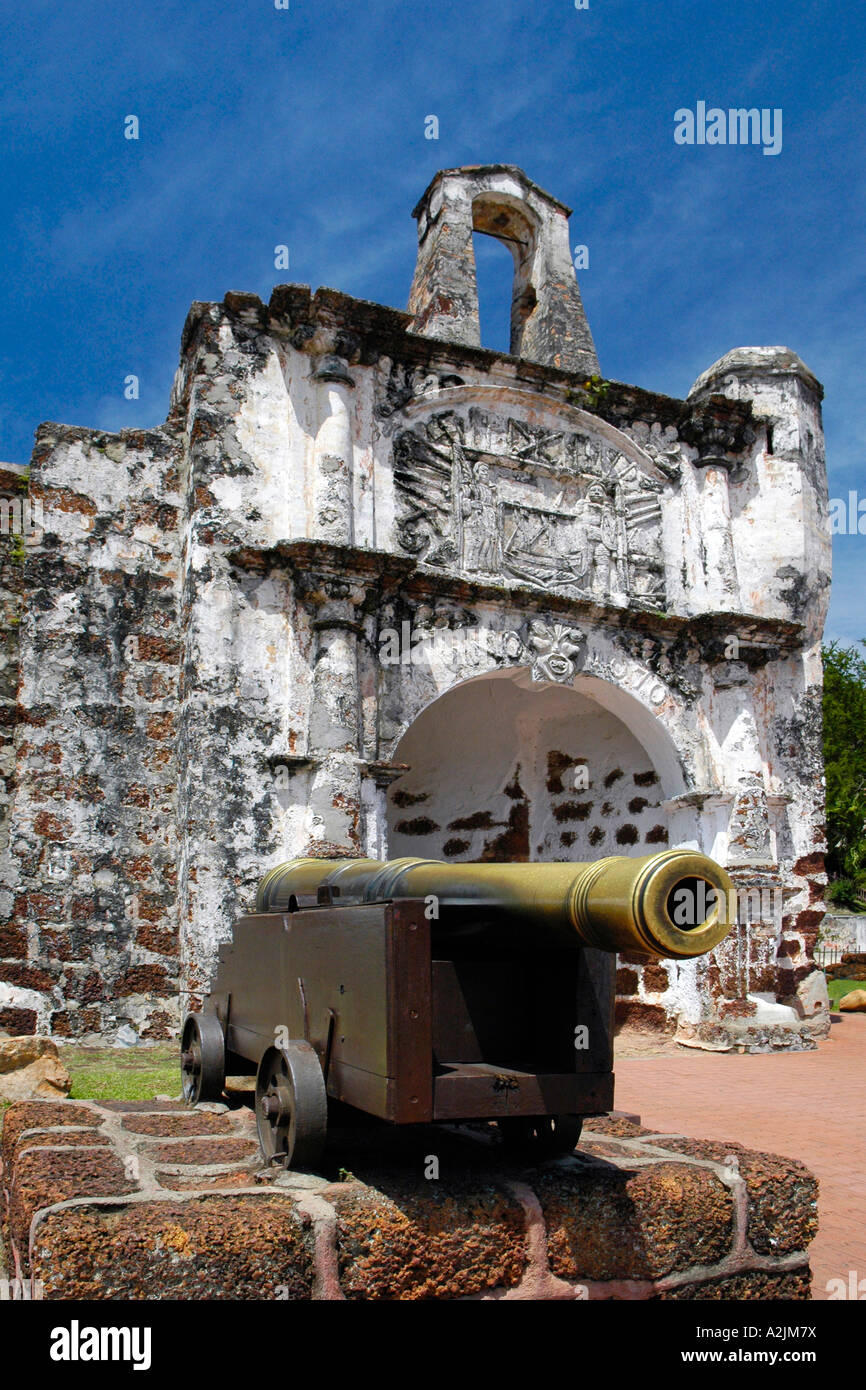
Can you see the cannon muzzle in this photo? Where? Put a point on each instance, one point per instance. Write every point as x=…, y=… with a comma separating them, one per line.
x=674, y=905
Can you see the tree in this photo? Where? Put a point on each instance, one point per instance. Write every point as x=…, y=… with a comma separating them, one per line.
x=845, y=761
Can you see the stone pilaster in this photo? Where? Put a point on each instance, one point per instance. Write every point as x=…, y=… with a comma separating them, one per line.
x=333, y=743
x=332, y=460
x=376, y=778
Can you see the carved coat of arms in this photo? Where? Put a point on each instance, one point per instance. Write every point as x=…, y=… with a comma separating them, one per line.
x=492, y=497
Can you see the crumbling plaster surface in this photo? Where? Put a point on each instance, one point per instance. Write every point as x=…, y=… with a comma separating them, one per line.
x=204, y=678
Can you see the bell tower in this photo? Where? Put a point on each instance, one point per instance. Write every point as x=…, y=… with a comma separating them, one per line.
x=548, y=323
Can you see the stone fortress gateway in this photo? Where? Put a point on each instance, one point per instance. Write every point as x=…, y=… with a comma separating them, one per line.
x=375, y=590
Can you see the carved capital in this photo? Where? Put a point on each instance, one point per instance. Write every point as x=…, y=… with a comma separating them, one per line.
x=327, y=593
x=292, y=762
x=331, y=367
x=718, y=434
x=331, y=348
x=382, y=774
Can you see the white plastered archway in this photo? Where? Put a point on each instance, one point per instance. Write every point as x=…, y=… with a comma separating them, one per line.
x=495, y=772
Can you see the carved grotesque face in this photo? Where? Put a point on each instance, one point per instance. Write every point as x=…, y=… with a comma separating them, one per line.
x=560, y=651
x=482, y=472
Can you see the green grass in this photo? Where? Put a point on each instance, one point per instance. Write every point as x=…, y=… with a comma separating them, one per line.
x=129, y=1073
x=836, y=989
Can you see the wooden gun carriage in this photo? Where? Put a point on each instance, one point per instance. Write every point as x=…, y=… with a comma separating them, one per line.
x=416, y=991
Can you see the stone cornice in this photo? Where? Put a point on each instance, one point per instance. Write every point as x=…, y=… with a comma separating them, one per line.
x=308, y=559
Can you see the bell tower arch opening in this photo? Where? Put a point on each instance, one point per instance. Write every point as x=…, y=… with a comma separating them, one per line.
x=505, y=219
x=494, y=277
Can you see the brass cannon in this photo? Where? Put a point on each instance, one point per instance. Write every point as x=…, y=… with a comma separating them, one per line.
x=416, y=991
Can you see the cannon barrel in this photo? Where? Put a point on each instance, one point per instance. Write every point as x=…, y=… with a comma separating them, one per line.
x=672, y=905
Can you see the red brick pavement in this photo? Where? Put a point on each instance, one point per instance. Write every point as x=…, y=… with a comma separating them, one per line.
x=806, y=1105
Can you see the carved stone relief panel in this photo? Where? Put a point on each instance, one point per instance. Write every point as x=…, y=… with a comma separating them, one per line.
x=491, y=497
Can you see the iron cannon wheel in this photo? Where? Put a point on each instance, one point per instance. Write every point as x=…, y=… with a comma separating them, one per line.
x=541, y=1135
x=291, y=1106
x=202, y=1058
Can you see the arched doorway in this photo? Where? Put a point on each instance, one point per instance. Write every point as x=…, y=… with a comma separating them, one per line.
x=504, y=769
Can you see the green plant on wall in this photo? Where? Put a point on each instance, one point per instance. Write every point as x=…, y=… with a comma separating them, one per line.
x=591, y=393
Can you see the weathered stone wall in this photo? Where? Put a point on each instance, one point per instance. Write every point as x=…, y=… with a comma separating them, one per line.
x=134, y=1199
x=843, y=931
x=13, y=490
x=91, y=863
x=547, y=320
x=640, y=581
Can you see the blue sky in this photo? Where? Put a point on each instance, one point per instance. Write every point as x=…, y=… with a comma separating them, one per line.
x=305, y=127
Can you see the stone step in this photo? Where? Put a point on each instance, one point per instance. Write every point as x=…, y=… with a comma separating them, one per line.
x=104, y=1203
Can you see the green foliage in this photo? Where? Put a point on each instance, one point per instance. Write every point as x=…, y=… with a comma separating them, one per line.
x=845, y=761
x=591, y=393
x=847, y=893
